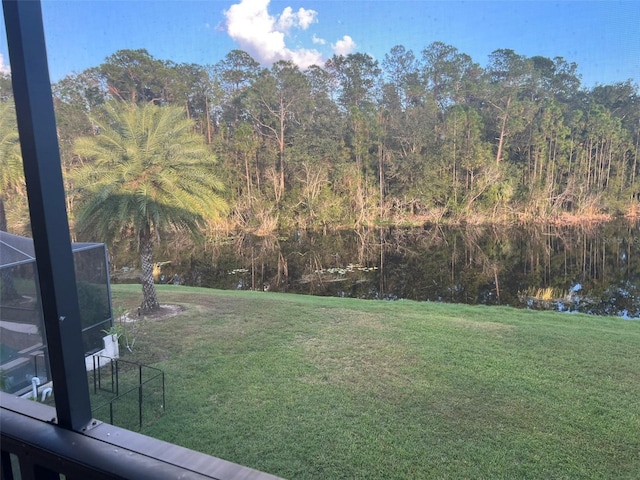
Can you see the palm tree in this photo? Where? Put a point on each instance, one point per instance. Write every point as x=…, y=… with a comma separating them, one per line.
x=146, y=173
x=11, y=170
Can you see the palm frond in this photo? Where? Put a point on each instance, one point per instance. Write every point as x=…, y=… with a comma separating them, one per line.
x=145, y=170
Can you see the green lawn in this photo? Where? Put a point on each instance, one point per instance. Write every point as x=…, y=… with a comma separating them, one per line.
x=309, y=387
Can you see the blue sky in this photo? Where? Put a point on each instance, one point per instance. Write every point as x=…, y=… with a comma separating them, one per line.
x=602, y=37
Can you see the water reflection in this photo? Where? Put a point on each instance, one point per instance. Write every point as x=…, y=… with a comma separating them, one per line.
x=590, y=269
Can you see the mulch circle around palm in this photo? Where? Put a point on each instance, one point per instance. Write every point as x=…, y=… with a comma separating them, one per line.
x=164, y=311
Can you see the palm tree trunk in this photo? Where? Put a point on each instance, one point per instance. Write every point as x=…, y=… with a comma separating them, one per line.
x=150, y=297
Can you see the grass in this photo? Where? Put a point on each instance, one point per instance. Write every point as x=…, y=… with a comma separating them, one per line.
x=307, y=387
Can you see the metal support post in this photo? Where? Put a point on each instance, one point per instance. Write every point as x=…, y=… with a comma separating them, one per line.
x=49, y=223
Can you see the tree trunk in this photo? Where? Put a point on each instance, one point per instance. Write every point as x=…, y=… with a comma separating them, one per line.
x=503, y=130
x=281, y=147
x=247, y=173
x=150, y=297
x=635, y=161
x=206, y=107
x=381, y=153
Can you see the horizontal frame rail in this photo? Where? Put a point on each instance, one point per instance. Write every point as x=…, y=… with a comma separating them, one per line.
x=102, y=452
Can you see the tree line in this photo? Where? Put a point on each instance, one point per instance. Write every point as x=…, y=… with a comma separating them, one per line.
x=413, y=138
x=150, y=146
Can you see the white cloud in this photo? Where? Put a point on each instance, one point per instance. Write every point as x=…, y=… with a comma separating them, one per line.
x=4, y=69
x=263, y=35
x=344, y=46
x=306, y=18
x=287, y=19
x=302, y=19
x=318, y=40
x=304, y=57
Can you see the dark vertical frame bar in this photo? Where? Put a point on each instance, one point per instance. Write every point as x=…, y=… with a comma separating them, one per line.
x=95, y=376
x=140, y=407
x=49, y=223
x=6, y=469
x=107, y=279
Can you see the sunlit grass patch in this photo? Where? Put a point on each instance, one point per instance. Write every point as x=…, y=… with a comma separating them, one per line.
x=547, y=294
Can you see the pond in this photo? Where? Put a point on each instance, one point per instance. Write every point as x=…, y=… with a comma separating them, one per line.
x=593, y=269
